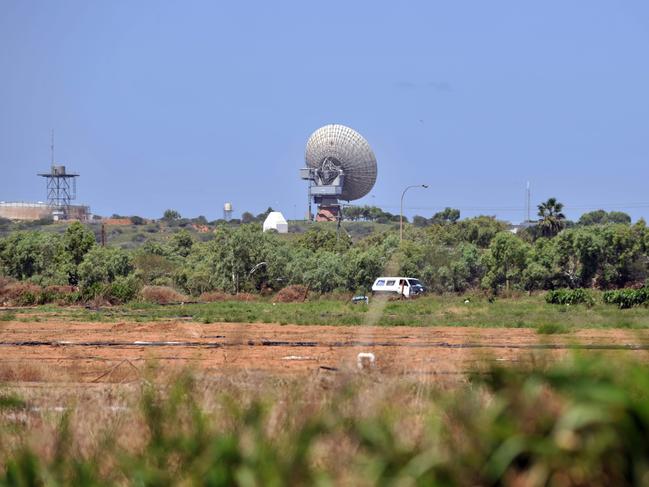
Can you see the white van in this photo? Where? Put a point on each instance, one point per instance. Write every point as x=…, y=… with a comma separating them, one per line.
x=405, y=286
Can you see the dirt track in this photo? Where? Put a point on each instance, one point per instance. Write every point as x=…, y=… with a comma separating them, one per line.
x=117, y=352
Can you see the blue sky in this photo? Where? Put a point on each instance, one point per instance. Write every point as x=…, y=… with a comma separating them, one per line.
x=190, y=104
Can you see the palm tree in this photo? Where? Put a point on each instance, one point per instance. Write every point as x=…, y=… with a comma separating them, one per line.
x=552, y=220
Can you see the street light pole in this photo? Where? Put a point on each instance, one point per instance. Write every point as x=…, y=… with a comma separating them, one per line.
x=401, y=214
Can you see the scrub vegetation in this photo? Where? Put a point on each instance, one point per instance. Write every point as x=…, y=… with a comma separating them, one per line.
x=578, y=422
x=472, y=257
x=514, y=311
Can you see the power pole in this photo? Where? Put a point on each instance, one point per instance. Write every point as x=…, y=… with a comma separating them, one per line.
x=528, y=202
x=52, y=149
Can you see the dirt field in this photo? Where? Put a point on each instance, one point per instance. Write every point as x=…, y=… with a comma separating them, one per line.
x=56, y=351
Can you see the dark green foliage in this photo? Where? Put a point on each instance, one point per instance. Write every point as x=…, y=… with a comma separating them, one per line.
x=77, y=241
x=37, y=256
x=122, y=290
x=181, y=243
x=419, y=221
x=570, y=296
x=479, y=231
x=600, y=217
x=247, y=217
x=317, y=239
x=505, y=262
x=552, y=220
x=447, y=215
x=369, y=214
x=627, y=298
x=103, y=265
x=171, y=215
x=452, y=256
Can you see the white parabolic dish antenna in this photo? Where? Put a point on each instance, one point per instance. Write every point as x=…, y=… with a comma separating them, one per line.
x=337, y=149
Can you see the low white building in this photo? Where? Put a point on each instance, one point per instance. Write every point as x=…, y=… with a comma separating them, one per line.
x=276, y=221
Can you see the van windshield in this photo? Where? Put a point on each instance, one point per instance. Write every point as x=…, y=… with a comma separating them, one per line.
x=414, y=282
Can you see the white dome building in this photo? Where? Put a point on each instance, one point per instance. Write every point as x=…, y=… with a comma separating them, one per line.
x=276, y=221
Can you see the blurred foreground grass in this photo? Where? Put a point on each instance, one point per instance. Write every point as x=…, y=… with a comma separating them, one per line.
x=579, y=422
x=518, y=312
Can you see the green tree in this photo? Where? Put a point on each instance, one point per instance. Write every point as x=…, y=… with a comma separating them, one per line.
x=596, y=217
x=326, y=273
x=552, y=220
x=318, y=238
x=419, y=221
x=102, y=265
x=40, y=257
x=362, y=267
x=181, y=243
x=541, y=270
x=225, y=263
x=505, y=261
x=447, y=215
x=479, y=230
x=619, y=217
x=353, y=213
x=77, y=241
x=600, y=217
x=155, y=269
x=247, y=217
x=262, y=216
x=171, y=215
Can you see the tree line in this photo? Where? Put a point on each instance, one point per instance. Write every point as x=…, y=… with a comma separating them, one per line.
x=601, y=251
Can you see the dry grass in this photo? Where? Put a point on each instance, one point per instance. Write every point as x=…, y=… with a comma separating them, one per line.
x=348, y=427
x=291, y=294
x=101, y=408
x=23, y=372
x=16, y=293
x=161, y=295
x=19, y=293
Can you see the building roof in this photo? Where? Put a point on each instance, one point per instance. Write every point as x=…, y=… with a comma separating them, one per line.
x=275, y=221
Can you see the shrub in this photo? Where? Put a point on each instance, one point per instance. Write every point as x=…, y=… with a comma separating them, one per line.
x=570, y=296
x=580, y=422
x=102, y=265
x=627, y=298
x=21, y=294
x=5, y=281
x=551, y=329
x=29, y=294
x=291, y=294
x=122, y=290
x=161, y=295
x=59, y=294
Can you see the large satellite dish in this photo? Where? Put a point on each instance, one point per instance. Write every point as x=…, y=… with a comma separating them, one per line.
x=340, y=166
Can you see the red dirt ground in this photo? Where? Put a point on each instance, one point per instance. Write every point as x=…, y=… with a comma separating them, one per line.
x=224, y=348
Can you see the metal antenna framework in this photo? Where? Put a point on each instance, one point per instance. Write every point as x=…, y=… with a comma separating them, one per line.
x=61, y=185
